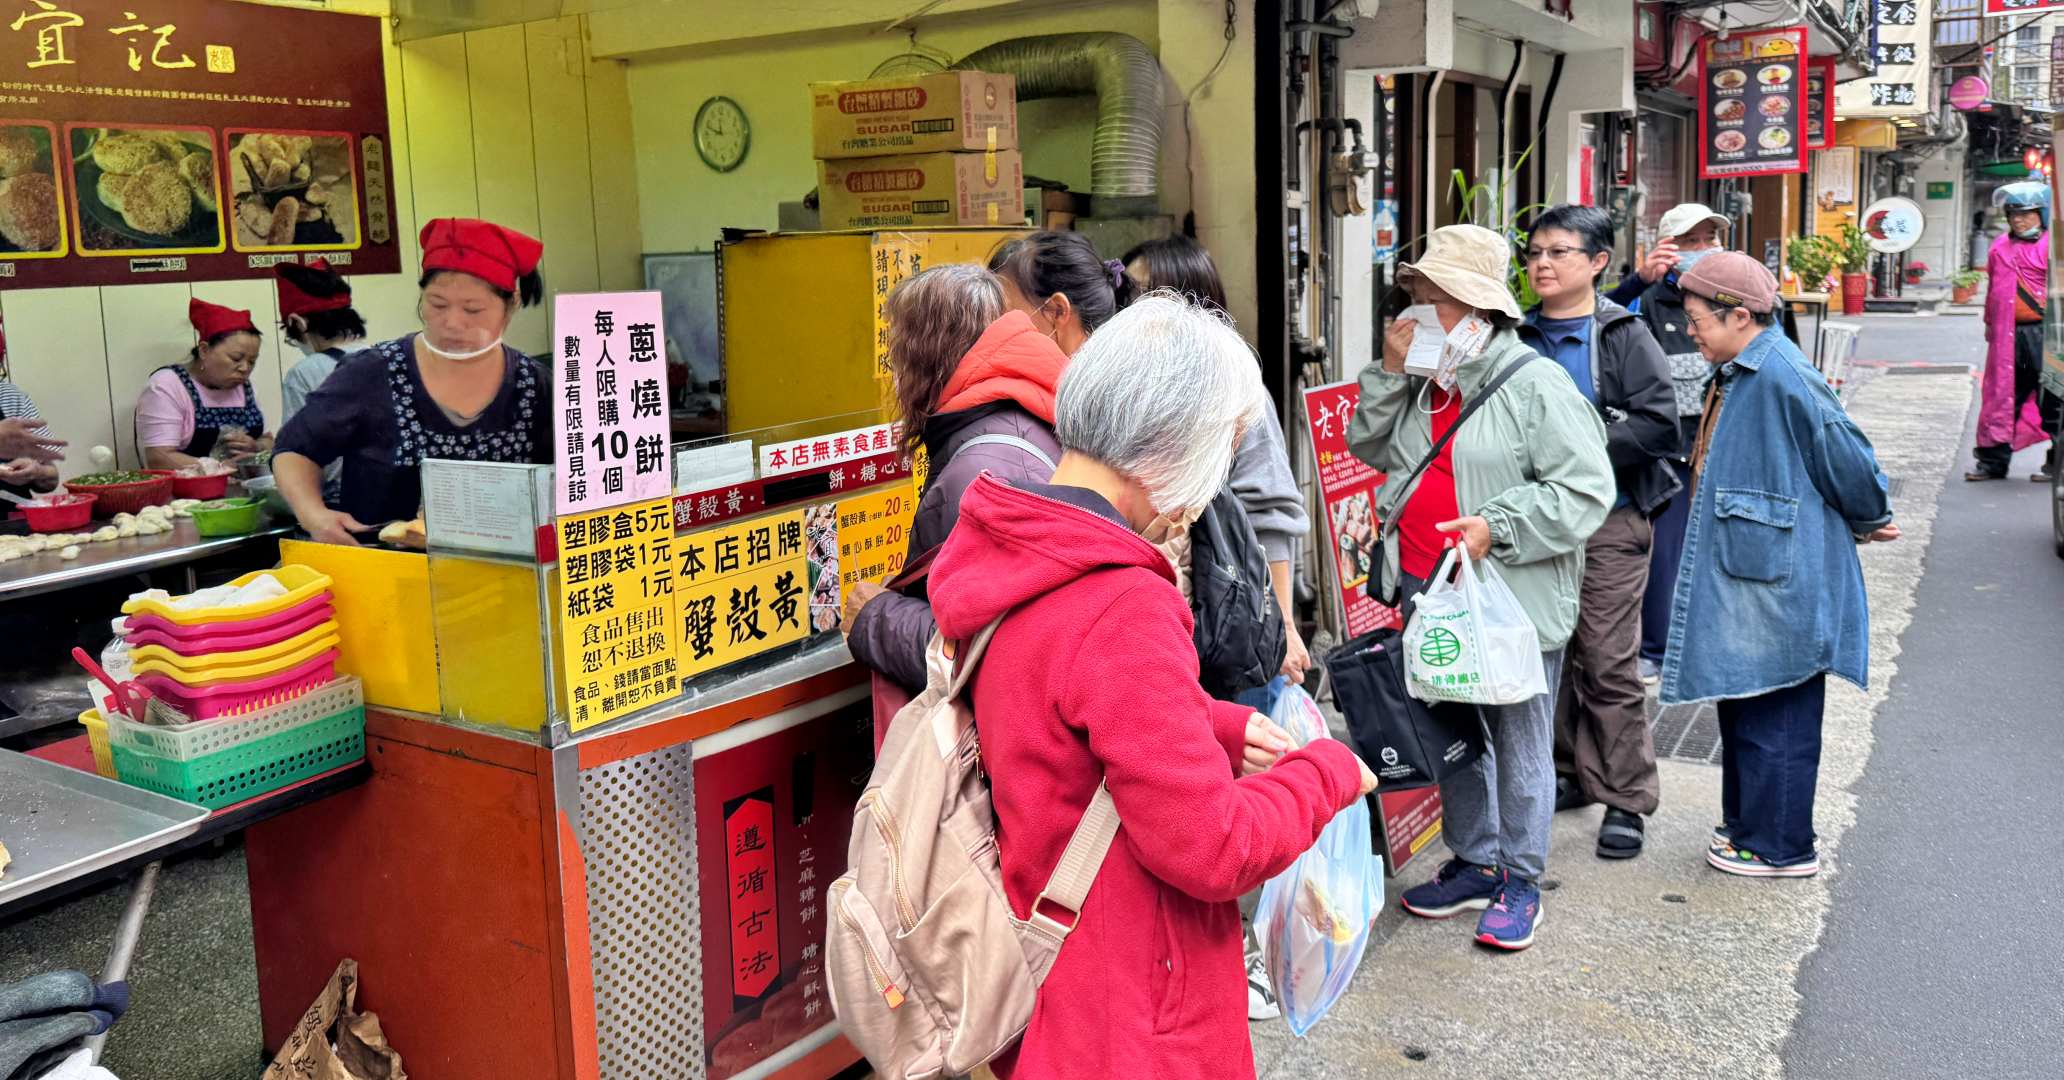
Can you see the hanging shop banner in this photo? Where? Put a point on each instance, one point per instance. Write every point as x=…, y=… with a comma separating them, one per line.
x=617, y=576
x=1901, y=33
x=743, y=590
x=895, y=256
x=773, y=809
x=189, y=140
x=1893, y=224
x=609, y=390
x=1820, y=103
x=1752, y=98
x=821, y=451
x=1348, y=488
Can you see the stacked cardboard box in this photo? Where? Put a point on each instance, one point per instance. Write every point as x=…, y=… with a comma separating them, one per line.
x=920, y=151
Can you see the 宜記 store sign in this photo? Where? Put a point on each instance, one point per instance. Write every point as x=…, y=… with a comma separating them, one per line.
x=189, y=140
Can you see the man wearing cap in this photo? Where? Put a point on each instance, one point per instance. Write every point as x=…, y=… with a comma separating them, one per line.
x=2015, y=411
x=1770, y=597
x=1690, y=232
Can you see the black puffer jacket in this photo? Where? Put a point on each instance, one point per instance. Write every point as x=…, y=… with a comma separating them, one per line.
x=1636, y=401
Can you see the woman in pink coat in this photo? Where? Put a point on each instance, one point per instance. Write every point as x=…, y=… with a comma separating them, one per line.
x=2017, y=413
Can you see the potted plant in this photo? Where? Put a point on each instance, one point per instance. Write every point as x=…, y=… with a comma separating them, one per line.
x=1855, y=252
x=1915, y=271
x=1964, y=286
x=1812, y=258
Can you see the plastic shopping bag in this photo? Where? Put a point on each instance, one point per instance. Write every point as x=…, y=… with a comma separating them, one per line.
x=1313, y=920
x=1469, y=641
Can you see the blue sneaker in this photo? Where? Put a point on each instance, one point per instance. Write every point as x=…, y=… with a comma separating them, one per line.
x=1458, y=886
x=1514, y=913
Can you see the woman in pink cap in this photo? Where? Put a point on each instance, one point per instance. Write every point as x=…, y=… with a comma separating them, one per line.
x=452, y=390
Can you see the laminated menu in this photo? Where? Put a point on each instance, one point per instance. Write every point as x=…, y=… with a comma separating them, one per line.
x=1752, y=104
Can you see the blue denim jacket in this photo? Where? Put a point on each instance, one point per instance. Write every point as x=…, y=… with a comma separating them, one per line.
x=1770, y=592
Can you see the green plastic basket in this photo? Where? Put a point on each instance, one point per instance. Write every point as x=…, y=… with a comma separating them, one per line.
x=250, y=769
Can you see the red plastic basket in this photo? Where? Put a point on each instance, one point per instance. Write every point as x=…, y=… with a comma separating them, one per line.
x=229, y=699
x=200, y=487
x=229, y=637
x=71, y=514
x=310, y=611
x=128, y=498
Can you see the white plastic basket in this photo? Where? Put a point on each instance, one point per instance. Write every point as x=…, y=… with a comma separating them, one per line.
x=186, y=742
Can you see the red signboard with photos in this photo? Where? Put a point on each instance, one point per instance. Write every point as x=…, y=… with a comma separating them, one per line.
x=1820, y=103
x=190, y=140
x=1752, y=104
x=1348, y=488
x=773, y=813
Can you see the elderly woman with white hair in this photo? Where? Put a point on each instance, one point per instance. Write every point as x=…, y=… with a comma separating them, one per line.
x=1091, y=678
x=1524, y=481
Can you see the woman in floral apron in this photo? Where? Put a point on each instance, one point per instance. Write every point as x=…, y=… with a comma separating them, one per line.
x=452, y=390
x=204, y=407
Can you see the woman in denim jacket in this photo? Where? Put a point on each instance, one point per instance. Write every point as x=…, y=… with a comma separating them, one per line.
x=1770, y=595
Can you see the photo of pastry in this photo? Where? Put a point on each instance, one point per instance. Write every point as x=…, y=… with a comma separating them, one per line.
x=1731, y=79
x=1776, y=105
x=1775, y=138
x=1775, y=75
x=820, y=539
x=153, y=189
x=1727, y=142
x=292, y=190
x=31, y=217
x=1730, y=111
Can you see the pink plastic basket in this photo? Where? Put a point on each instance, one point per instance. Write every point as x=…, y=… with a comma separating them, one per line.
x=230, y=699
x=226, y=637
x=262, y=624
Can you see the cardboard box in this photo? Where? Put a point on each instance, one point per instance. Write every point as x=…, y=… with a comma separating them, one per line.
x=922, y=191
x=953, y=110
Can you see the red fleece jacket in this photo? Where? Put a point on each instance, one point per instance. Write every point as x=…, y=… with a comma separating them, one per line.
x=1094, y=677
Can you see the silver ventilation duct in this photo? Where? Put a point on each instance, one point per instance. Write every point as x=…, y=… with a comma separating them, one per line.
x=1125, y=77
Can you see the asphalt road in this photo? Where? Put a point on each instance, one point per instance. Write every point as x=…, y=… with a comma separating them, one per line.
x=1940, y=953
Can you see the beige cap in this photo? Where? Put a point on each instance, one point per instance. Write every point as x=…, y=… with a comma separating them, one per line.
x=1685, y=217
x=1469, y=263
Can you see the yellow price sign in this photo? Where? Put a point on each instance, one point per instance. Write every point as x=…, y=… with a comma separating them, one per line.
x=744, y=589
x=874, y=535
x=617, y=578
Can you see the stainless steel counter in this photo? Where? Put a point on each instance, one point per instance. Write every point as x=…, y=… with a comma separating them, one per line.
x=46, y=572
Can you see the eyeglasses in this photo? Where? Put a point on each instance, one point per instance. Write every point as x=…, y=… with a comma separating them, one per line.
x=1716, y=313
x=1554, y=254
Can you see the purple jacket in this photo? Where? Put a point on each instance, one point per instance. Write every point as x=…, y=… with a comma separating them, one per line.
x=892, y=631
x=2014, y=264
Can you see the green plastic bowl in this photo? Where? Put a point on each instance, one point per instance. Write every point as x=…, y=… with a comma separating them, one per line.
x=234, y=517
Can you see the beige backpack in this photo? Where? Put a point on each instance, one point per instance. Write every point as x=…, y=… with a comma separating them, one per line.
x=928, y=970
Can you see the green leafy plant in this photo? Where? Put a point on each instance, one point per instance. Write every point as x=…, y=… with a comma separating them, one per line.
x=1854, y=249
x=1490, y=205
x=1813, y=258
x=1968, y=279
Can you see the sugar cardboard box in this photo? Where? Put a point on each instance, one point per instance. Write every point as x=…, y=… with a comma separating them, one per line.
x=922, y=191
x=952, y=110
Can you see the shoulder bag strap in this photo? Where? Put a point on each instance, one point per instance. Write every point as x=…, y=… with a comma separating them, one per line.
x=1080, y=861
x=1468, y=410
x=1000, y=439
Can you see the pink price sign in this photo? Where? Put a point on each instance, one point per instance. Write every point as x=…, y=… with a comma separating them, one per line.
x=609, y=400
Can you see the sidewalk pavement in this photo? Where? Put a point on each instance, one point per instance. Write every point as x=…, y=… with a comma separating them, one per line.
x=1659, y=966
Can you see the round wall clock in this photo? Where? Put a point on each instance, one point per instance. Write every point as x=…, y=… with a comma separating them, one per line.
x=722, y=133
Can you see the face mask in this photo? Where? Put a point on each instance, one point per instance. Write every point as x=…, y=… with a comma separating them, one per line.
x=1466, y=342
x=482, y=351
x=1688, y=259
x=2028, y=234
x=1166, y=525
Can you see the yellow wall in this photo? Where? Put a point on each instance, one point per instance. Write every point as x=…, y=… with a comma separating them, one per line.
x=687, y=203
x=514, y=124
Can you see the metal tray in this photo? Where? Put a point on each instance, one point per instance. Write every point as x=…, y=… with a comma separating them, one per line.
x=61, y=824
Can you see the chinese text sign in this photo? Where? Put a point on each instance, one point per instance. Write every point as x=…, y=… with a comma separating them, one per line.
x=609, y=400
x=744, y=589
x=617, y=578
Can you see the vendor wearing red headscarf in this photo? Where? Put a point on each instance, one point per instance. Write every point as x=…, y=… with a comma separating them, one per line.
x=204, y=407
x=317, y=316
x=452, y=390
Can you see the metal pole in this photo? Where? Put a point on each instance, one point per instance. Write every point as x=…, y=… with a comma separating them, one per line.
x=127, y=932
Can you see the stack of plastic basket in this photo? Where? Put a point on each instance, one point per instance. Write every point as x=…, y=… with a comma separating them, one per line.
x=258, y=682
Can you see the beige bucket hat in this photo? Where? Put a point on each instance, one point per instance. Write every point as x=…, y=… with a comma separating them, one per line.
x=1469, y=263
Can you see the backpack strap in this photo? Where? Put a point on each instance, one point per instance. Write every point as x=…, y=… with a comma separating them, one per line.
x=1080, y=861
x=1000, y=439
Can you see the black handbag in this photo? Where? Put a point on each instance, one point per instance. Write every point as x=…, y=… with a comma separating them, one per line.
x=1382, y=588
x=1408, y=743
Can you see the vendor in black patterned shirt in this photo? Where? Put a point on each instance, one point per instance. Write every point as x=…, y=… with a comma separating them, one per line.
x=453, y=390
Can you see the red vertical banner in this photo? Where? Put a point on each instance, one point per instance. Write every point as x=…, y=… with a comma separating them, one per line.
x=749, y=865
x=1348, y=488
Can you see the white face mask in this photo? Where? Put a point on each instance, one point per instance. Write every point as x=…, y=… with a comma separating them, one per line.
x=1168, y=524
x=482, y=351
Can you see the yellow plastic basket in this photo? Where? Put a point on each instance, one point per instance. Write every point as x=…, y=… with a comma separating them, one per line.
x=97, y=736
x=198, y=665
x=212, y=674
x=301, y=582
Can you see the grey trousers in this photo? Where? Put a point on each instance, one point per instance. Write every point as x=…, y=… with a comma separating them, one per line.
x=1498, y=811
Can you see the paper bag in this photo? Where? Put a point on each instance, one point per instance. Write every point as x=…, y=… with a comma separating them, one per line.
x=334, y=1041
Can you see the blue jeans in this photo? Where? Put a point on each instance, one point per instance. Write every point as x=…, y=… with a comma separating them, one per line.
x=1770, y=769
x=1498, y=811
x=1664, y=553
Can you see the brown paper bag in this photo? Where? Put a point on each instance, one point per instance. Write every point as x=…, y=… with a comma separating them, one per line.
x=357, y=1050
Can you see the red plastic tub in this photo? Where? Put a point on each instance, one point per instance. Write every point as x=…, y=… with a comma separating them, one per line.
x=228, y=699
x=307, y=613
x=129, y=498
x=227, y=637
x=200, y=487
x=71, y=513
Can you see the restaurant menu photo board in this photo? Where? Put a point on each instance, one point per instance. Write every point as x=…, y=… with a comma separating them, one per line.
x=1820, y=103
x=190, y=140
x=1752, y=104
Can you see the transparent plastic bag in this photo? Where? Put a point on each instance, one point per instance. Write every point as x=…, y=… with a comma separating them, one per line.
x=1313, y=919
x=1469, y=641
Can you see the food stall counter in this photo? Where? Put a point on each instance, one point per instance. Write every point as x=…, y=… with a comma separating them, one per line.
x=47, y=571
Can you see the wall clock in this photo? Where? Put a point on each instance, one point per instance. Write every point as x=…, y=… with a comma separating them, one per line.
x=722, y=133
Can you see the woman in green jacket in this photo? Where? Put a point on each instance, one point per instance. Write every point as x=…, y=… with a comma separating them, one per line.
x=1524, y=483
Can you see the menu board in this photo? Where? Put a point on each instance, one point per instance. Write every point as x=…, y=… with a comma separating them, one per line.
x=1820, y=103
x=190, y=140
x=618, y=648
x=1752, y=104
x=1348, y=488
